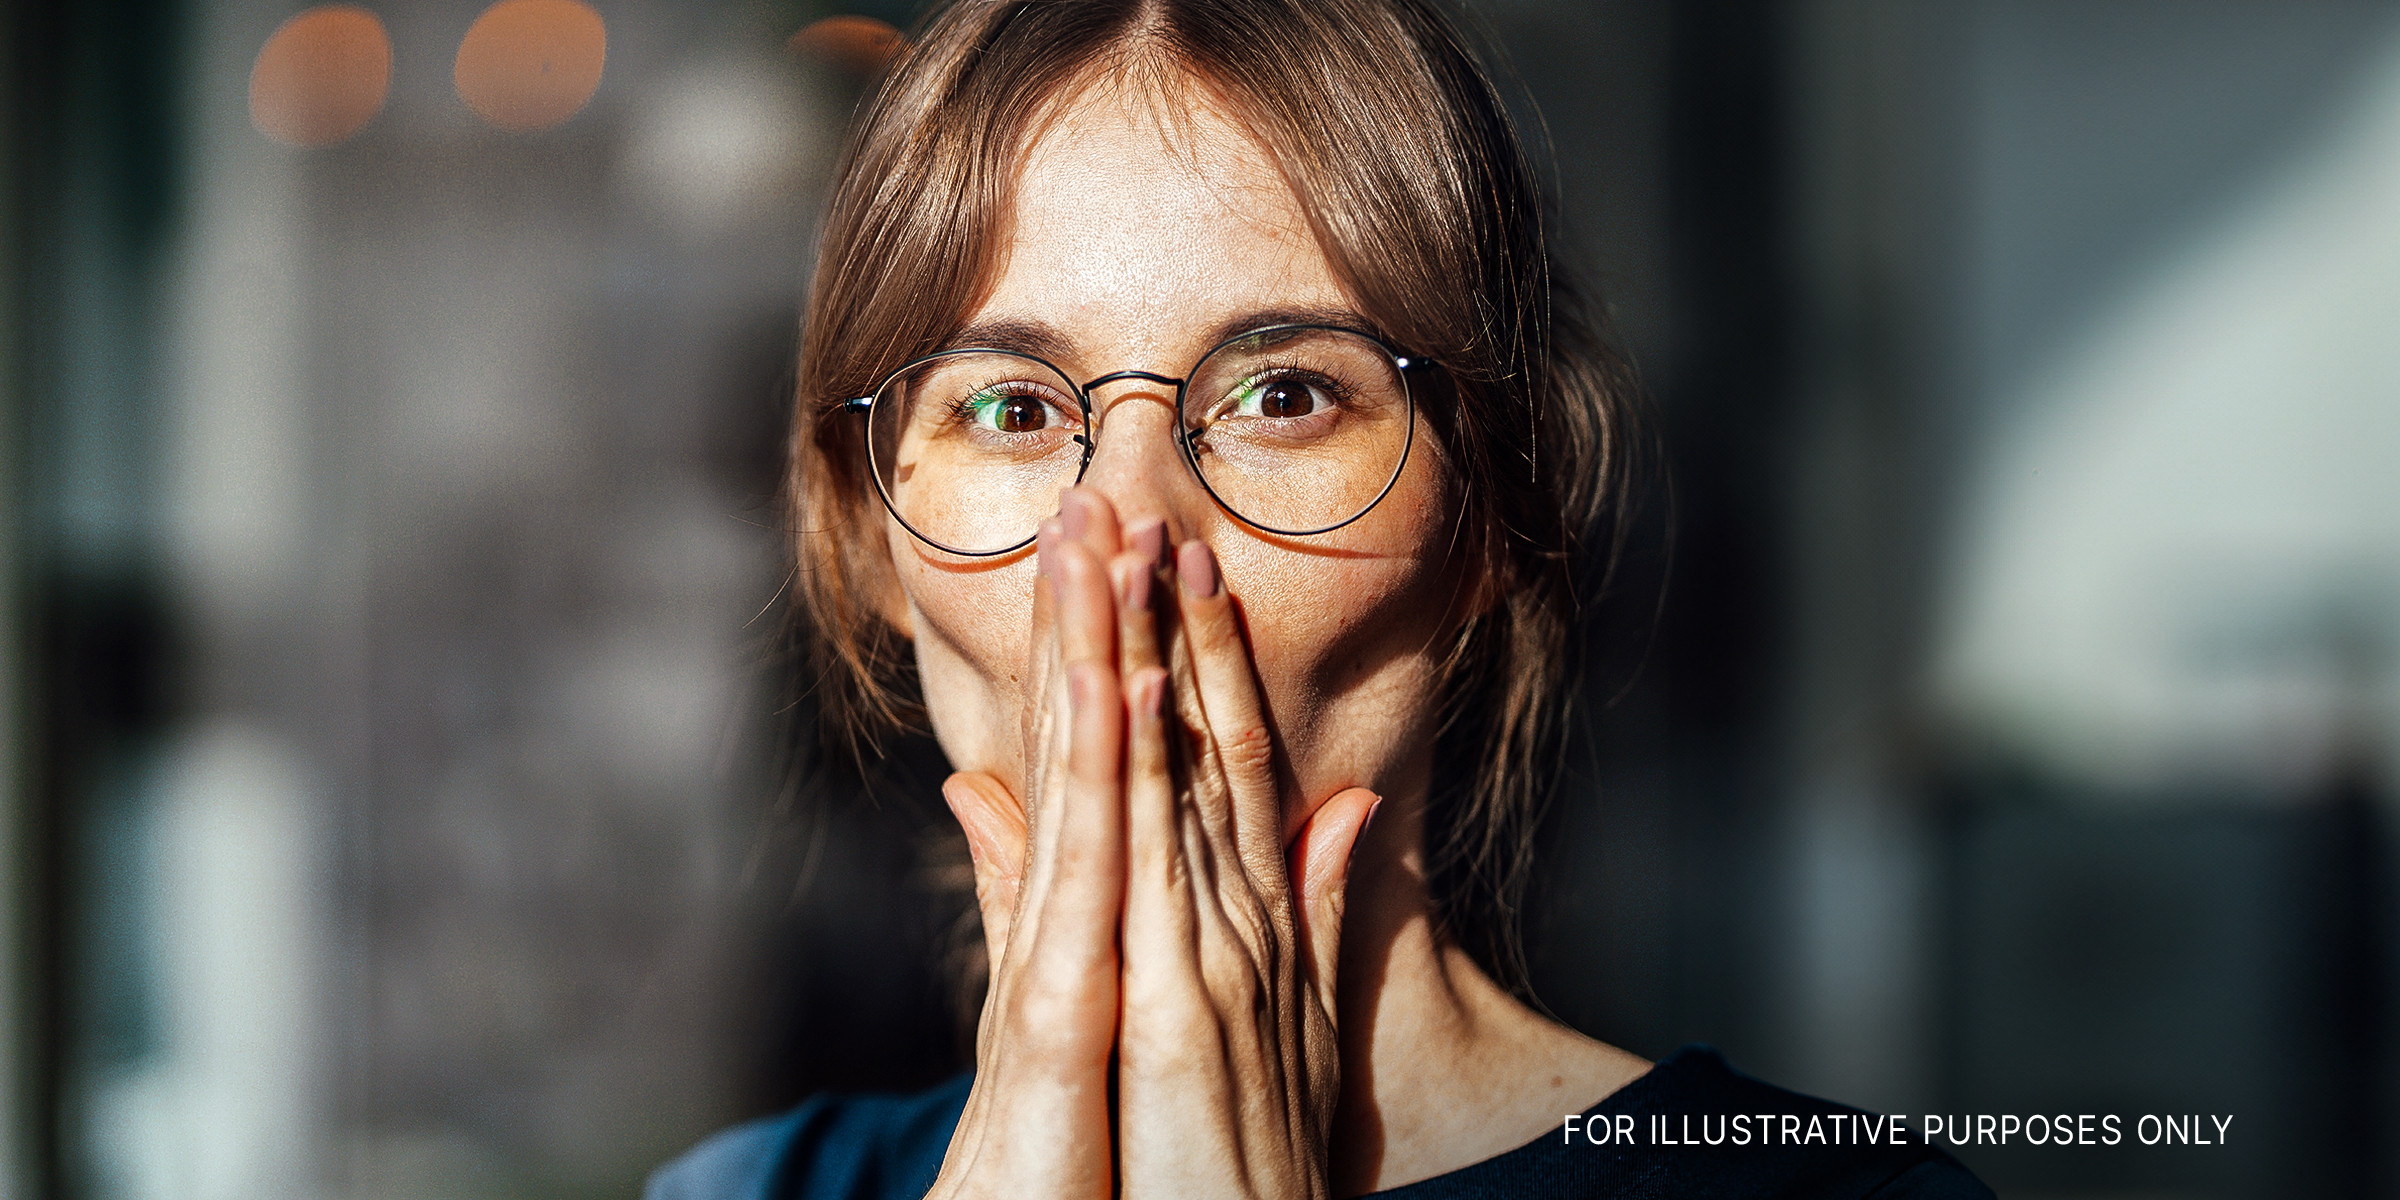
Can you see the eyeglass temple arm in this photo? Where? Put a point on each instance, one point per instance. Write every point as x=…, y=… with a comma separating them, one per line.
x=856, y=404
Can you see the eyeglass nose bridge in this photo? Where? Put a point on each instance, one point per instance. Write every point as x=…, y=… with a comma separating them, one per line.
x=1182, y=436
x=1146, y=376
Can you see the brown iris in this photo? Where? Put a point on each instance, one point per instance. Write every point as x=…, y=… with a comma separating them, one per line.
x=1285, y=399
x=1018, y=414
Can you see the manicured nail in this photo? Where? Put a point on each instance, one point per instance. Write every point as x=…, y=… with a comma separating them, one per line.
x=1073, y=516
x=1137, y=589
x=1150, y=540
x=1197, y=567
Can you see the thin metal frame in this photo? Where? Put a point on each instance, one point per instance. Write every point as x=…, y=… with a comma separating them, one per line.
x=1089, y=438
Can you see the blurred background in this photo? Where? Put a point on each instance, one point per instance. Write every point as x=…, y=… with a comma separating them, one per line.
x=394, y=795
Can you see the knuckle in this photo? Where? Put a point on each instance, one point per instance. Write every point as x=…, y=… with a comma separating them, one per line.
x=1270, y=883
x=1233, y=986
x=1259, y=933
x=1157, y=860
x=1163, y=1003
x=1249, y=752
x=1047, y=1009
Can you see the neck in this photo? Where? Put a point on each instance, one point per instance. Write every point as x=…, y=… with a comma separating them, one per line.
x=1441, y=1068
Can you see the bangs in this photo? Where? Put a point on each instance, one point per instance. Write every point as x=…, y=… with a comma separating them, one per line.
x=1404, y=162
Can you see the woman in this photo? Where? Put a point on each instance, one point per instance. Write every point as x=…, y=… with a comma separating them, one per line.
x=1187, y=423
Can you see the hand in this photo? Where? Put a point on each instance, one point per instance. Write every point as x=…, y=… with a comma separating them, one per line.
x=1227, y=1069
x=1049, y=878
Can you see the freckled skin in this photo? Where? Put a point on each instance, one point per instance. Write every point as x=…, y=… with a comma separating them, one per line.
x=1135, y=241
x=1133, y=238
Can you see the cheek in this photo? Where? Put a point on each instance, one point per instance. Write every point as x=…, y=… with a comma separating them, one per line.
x=1310, y=617
x=972, y=626
x=1347, y=629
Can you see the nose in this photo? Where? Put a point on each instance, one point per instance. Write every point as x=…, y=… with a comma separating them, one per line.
x=1136, y=461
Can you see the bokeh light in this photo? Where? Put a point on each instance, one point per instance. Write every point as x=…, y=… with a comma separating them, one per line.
x=321, y=76
x=527, y=65
x=857, y=44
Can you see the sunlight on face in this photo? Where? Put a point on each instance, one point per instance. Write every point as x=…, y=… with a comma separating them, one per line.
x=1134, y=243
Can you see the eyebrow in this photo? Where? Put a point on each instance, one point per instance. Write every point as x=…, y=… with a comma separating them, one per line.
x=1338, y=317
x=1037, y=338
x=1045, y=341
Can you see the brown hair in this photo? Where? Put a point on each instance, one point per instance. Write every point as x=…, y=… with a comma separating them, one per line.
x=1404, y=159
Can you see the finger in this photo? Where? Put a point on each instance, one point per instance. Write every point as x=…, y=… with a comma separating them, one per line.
x=1080, y=627
x=1092, y=844
x=1227, y=688
x=1086, y=614
x=1043, y=738
x=1134, y=580
x=1066, y=919
x=1320, y=868
x=1086, y=516
x=995, y=827
x=1158, y=910
x=1149, y=787
x=1149, y=539
x=1075, y=818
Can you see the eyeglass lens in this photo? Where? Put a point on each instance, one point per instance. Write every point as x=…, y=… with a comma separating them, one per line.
x=1294, y=430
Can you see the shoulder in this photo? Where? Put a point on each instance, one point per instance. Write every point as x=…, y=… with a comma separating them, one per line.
x=834, y=1147
x=1695, y=1126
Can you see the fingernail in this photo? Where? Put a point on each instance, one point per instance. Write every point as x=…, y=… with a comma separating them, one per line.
x=1073, y=517
x=1148, y=692
x=1150, y=540
x=1137, y=589
x=1197, y=567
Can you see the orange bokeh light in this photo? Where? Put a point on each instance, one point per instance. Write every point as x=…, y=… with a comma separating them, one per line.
x=530, y=64
x=858, y=44
x=321, y=76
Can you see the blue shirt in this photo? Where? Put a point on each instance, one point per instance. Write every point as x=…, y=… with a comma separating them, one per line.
x=1654, y=1140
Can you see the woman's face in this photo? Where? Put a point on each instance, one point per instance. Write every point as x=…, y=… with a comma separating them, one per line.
x=1132, y=241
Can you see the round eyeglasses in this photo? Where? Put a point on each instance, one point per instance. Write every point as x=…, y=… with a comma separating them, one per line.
x=1294, y=429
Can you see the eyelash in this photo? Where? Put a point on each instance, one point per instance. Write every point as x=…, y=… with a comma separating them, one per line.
x=1339, y=391
x=963, y=411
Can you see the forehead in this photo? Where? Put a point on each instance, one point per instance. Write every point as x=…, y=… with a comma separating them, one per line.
x=1142, y=220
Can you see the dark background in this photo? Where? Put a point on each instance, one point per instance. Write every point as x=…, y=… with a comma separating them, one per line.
x=392, y=794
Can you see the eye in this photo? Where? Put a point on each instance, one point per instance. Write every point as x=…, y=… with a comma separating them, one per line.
x=1003, y=409
x=1282, y=397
